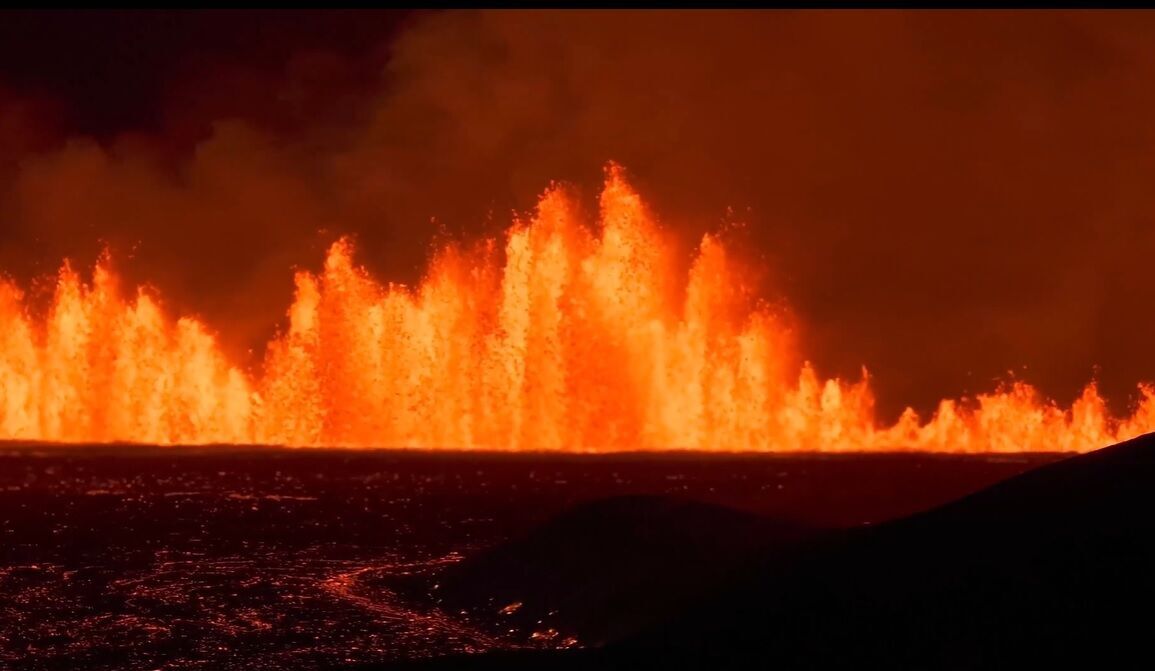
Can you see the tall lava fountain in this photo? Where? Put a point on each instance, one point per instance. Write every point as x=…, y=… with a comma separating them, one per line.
x=573, y=337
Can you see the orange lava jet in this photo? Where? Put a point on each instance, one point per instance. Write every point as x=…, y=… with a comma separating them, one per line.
x=573, y=339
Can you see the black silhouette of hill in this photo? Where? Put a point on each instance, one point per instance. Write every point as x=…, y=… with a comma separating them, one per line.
x=609, y=568
x=1052, y=567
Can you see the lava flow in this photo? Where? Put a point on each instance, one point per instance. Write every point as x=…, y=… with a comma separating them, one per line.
x=572, y=338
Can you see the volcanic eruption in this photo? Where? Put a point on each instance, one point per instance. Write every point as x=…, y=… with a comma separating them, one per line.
x=565, y=335
x=282, y=386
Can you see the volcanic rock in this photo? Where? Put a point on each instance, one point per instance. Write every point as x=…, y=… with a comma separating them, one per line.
x=609, y=568
x=1049, y=567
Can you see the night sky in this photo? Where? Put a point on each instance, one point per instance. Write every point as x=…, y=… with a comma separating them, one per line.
x=111, y=71
x=942, y=197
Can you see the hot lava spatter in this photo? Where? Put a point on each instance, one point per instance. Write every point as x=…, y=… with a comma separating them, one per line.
x=576, y=337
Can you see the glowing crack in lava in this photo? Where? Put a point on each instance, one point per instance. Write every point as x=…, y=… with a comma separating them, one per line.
x=573, y=338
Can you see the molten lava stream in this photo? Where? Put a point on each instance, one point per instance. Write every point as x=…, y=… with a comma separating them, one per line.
x=575, y=339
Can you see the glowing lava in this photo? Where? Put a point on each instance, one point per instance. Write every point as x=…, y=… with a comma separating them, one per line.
x=572, y=339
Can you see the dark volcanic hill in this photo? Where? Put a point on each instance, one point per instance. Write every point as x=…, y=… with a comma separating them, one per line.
x=610, y=568
x=1054, y=566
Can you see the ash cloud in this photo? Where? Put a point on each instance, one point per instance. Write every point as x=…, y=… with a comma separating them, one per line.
x=940, y=196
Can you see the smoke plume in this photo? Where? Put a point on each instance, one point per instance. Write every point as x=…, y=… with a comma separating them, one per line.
x=942, y=197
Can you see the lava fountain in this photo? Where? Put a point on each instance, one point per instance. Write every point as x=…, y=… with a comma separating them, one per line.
x=573, y=337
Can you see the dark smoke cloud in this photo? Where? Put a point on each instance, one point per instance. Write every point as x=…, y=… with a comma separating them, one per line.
x=941, y=196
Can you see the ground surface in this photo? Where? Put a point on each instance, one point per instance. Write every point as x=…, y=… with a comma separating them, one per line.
x=228, y=558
